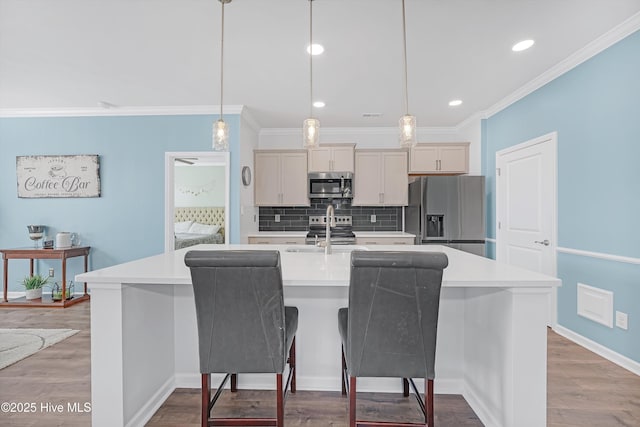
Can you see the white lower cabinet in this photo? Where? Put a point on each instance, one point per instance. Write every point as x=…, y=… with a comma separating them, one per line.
x=386, y=240
x=293, y=240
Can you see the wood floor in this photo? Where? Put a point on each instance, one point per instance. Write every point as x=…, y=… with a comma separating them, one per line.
x=583, y=389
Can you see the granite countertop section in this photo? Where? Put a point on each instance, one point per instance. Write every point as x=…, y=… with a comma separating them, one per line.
x=304, y=233
x=383, y=234
x=278, y=234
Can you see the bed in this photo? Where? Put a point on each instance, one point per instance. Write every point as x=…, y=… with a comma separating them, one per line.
x=198, y=225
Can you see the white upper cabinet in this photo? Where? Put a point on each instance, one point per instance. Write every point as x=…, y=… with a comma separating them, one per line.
x=280, y=178
x=329, y=158
x=445, y=158
x=380, y=178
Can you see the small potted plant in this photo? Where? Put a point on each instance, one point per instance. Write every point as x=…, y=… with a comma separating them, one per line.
x=33, y=286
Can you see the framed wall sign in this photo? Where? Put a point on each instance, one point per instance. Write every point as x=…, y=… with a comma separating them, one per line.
x=58, y=176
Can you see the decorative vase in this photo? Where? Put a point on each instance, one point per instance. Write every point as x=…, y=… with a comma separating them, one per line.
x=56, y=291
x=34, y=293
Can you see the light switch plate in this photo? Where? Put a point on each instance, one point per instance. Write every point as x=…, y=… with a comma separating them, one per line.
x=622, y=320
x=277, y=218
x=373, y=218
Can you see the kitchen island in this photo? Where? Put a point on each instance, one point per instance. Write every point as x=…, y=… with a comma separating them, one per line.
x=492, y=335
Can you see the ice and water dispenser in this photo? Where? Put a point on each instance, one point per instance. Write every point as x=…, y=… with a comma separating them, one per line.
x=435, y=225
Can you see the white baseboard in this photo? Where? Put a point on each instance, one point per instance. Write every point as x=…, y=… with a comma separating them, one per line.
x=147, y=411
x=612, y=356
x=476, y=403
x=267, y=382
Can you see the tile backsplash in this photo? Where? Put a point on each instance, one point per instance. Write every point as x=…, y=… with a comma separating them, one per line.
x=388, y=218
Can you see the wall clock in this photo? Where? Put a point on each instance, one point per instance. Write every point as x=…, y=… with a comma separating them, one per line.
x=246, y=176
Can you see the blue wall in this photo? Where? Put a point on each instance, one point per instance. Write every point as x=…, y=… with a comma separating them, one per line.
x=127, y=221
x=595, y=108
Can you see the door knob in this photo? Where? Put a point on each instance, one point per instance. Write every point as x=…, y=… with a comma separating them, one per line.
x=544, y=242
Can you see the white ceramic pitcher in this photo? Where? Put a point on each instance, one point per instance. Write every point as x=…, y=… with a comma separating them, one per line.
x=65, y=239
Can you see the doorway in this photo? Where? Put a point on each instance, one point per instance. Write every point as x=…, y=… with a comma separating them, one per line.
x=526, y=208
x=196, y=199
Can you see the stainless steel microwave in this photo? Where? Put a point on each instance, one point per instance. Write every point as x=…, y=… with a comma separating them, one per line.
x=330, y=185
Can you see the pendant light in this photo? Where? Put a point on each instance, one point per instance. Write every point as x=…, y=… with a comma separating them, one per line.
x=220, y=128
x=407, y=122
x=311, y=126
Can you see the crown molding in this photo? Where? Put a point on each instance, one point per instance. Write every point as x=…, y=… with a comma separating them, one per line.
x=608, y=39
x=120, y=111
x=247, y=117
x=474, y=118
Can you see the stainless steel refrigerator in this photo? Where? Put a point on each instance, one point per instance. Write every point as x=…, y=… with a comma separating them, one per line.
x=448, y=210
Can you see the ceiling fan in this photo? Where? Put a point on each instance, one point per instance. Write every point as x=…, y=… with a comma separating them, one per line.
x=187, y=160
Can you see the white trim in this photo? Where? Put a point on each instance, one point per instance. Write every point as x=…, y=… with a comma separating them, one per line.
x=152, y=405
x=476, y=117
x=490, y=240
x=217, y=158
x=599, y=349
x=249, y=120
x=600, y=255
x=120, y=111
x=472, y=397
x=603, y=42
x=551, y=138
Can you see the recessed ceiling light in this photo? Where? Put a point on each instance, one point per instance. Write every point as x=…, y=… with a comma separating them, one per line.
x=319, y=104
x=315, y=49
x=455, y=103
x=523, y=45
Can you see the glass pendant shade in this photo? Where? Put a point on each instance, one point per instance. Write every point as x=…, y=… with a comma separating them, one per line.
x=220, y=136
x=408, y=131
x=311, y=132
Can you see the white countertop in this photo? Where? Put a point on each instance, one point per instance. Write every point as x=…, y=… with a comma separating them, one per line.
x=317, y=269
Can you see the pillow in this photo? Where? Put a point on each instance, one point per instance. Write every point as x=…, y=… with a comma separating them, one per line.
x=182, y=227
x=197, y=228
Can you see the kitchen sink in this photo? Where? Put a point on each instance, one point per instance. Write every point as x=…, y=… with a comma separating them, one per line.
x=336, y=249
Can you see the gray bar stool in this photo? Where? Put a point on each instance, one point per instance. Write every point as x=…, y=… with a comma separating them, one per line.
x=243, y=325
x=389, y=328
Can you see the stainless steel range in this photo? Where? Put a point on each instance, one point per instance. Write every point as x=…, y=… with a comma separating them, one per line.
x=341, y=234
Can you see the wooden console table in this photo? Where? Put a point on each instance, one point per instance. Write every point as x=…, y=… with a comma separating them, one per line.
x=38, y=253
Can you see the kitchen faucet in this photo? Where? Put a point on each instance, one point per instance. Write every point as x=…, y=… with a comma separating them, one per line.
x=330, y=221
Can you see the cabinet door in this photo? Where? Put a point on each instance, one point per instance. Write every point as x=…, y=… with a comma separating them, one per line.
x=294, y=179
x=267, y=179
x=424, y=159
x=319, y=160
x=342, y=159
x=454, y=159
x=395, y=184
x=367, y=190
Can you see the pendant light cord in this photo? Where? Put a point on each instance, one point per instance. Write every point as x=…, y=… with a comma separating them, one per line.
x=310, y=58
x=406, y=79
x=222, y=58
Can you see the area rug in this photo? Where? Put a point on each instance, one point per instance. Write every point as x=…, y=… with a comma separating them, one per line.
x=16, y=344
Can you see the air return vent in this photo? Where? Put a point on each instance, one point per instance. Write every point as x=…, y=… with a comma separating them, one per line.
x=371, y=115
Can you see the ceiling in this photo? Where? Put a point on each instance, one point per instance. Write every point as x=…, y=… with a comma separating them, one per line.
x=140, y=53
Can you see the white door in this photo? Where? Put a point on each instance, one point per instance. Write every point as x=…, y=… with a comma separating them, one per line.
x=526, y=208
